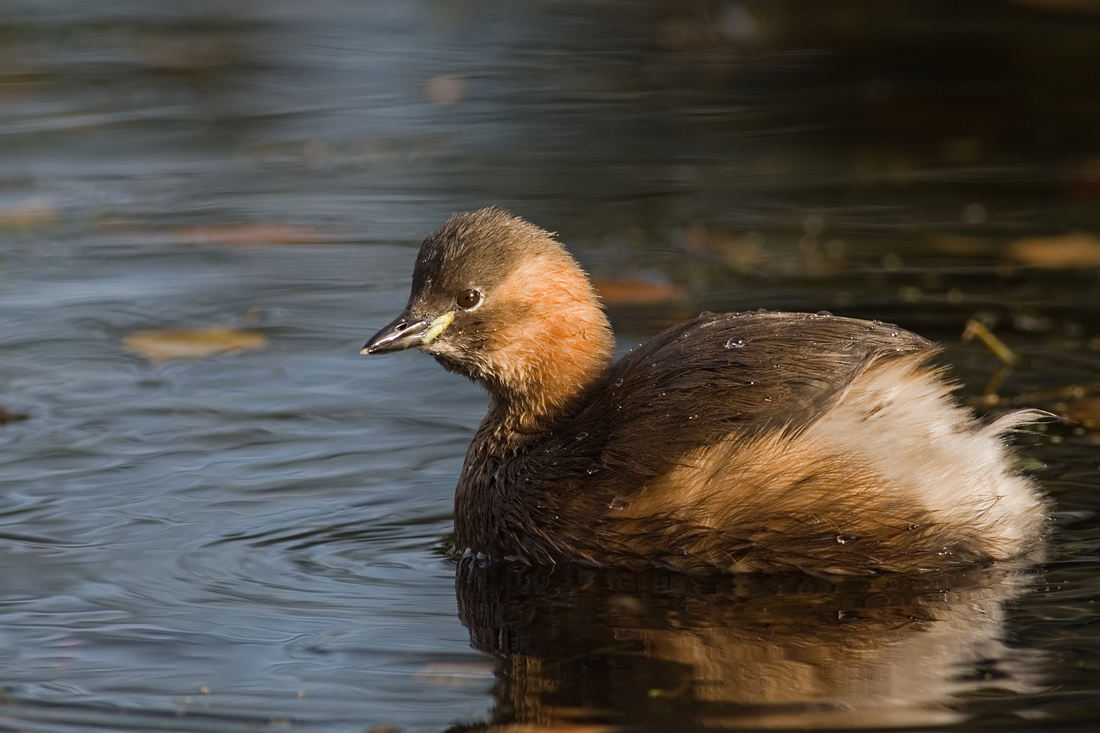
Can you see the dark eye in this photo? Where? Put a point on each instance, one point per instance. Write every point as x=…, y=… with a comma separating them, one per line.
x=468, y=298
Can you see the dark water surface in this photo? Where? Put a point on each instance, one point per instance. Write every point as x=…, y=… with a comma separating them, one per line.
x=251, y=541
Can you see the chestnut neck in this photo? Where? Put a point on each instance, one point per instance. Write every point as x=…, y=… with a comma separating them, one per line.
x=544, y=368
x=515, y=419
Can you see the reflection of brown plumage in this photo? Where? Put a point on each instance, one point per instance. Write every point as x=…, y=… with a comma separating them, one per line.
x=577, y=648
x=741, y=441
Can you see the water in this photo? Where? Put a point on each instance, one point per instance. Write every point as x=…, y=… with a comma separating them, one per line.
x=252, y=541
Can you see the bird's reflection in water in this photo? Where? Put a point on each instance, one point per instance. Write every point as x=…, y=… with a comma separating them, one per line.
x=587, y=650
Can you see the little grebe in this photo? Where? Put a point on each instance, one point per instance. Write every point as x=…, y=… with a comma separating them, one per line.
x=737, y=441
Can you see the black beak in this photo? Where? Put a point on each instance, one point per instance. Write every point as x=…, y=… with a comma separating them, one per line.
x=404, y=332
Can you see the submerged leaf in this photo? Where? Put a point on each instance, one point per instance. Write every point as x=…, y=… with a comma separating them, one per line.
x=1085, y=411
x=168, y=344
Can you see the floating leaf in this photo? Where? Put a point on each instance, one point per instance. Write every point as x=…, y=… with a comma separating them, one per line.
x=635, y=292
x=445, y=89
x=31, y=213
x=168, y=344
x=1066, y=251
x=239, y=234
x=227, y=235
x=7, y=416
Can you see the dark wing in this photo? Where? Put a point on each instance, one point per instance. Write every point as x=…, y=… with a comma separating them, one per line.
x=712, y=377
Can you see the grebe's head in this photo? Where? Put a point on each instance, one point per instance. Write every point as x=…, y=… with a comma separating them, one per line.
x=500, y=300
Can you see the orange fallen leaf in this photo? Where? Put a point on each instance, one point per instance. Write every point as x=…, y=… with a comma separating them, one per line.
x=1065, y=251
x=446, y=89
x=635, y=292
x=243, y=234
x=168, y=344
x=28, y=214
x=220, y=234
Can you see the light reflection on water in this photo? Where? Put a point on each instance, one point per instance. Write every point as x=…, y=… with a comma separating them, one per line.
x=252, y=539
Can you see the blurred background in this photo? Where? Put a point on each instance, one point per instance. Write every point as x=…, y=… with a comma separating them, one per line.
x=217, y=516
